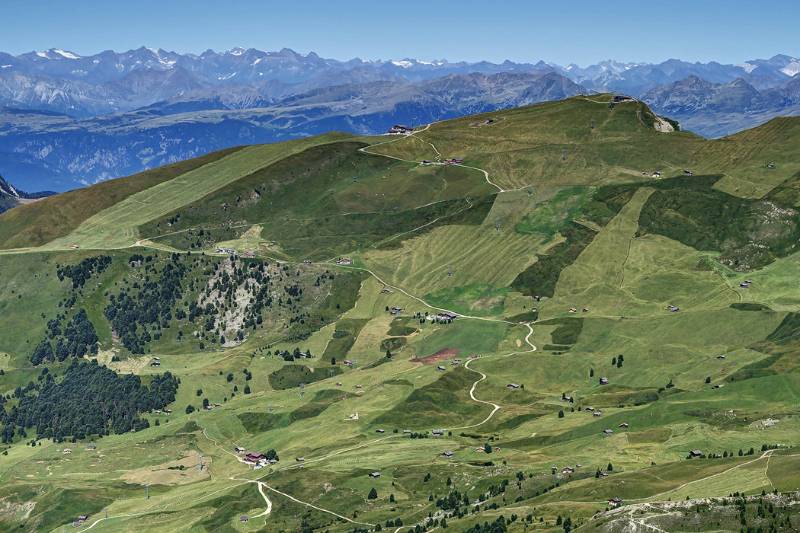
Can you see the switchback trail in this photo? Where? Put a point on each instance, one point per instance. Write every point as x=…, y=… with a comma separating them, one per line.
x=495, y=407
x=261, y=486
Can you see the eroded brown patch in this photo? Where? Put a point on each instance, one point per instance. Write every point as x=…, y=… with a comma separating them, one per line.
x=441, y=355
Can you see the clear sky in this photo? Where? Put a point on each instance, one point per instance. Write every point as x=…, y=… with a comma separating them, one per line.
x=564, y=31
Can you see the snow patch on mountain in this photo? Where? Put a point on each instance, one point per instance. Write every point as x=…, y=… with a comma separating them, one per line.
x=747, y=67
x=792, y=69
x=7, y=188
x=65, y=54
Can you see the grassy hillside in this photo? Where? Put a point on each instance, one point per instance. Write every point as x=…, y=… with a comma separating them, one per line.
x=755, y=160
x=511, y=342
x=37, y=223
x=579, y=141
x=326, y=200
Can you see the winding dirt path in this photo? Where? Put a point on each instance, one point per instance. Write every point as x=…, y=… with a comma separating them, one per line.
x=438, y=157
x=312, y=506
x=766, y=454
x=268, y=510
x=495, y=407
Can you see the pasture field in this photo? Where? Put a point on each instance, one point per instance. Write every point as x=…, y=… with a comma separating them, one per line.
x=507, y=342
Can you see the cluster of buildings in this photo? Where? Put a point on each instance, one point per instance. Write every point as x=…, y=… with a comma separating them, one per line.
x=608, y=432
x=399, y=129
x=212, y=406
x=443, y=316
x=257, y=460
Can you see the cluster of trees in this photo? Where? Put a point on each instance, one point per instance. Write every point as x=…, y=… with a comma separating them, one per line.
x=77, y=339
x=147, y=306
x=79, y=274
x=498, y=526
x=89, y=399
x=296, y=354
x=453, y=501
x=224, y=294
x=725, y=454
x=758, y=514
x=254, y=278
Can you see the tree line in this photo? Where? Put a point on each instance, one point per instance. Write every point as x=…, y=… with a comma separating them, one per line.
x=89, y=399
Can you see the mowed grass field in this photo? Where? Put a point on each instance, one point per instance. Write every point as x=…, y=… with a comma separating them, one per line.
x=717, y=376
x=116, y=226
x=42, y=221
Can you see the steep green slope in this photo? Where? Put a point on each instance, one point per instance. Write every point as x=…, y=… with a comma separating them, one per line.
x=327, y=200
x=42, y=221
x=116, y=226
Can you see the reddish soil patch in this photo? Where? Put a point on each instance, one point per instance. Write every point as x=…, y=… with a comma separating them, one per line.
x=441, y=355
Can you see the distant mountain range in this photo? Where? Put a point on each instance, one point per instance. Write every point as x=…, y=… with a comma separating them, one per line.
x=717, y=109
x=68, y=120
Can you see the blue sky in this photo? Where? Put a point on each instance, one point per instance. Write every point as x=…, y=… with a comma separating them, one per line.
x=558, y=31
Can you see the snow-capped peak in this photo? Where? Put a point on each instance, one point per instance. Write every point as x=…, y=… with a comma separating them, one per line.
x=236, y=51
x=437, y=63
x=402, y=63
x=57, y=53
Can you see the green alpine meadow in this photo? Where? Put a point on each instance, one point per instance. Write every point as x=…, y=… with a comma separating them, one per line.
x=566, y=316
